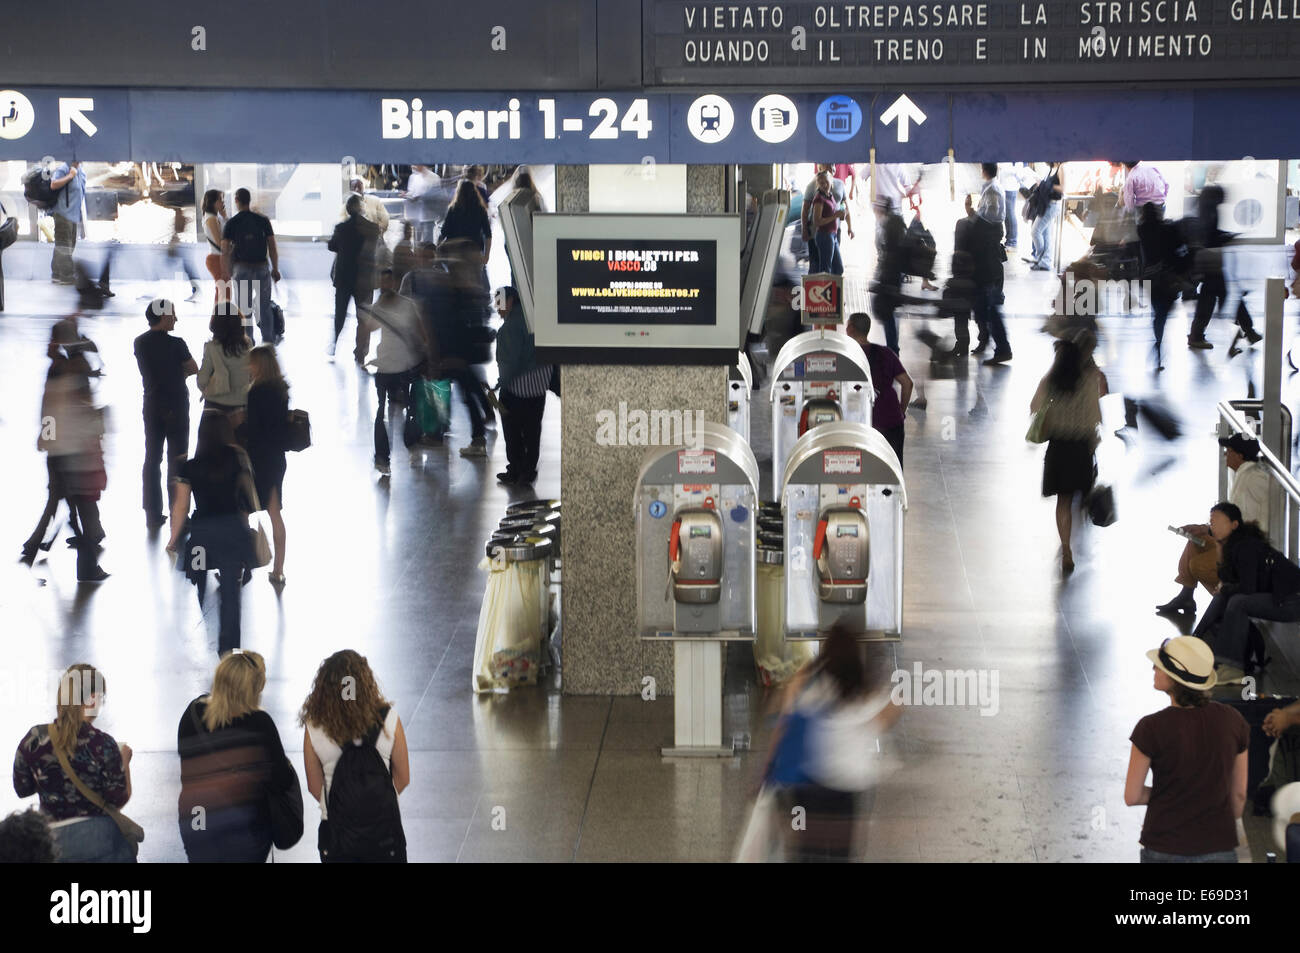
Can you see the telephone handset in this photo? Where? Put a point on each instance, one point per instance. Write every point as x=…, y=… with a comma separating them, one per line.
x=695, y=556
x=818, y=411
x=842, y=551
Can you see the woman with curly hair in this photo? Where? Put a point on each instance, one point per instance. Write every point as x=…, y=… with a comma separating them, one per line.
x=353, y=736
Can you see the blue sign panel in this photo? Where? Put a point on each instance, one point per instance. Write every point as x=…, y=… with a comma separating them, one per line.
x=86, y=124
x=636, y=128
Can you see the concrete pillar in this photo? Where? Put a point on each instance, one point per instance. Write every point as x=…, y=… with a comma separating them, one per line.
x=601, y=653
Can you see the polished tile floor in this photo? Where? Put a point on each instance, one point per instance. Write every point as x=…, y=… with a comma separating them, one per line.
x=389, y=568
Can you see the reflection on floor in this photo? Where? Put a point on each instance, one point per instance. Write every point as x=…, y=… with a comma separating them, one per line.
x=389, y=568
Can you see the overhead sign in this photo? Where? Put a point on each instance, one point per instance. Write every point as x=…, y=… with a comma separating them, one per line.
x=958, y=42
x=64, y=123
x=643, y=129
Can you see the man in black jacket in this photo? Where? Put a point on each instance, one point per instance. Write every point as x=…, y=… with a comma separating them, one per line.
x=353, y=244
x=1255, y=582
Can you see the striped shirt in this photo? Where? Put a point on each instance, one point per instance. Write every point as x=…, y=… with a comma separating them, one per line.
x=533, y=383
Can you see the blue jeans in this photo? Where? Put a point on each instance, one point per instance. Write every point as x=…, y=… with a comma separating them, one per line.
x=1041, y=249
x=95, y=840
x=1235, y=611
x=828, y=253
x=253, y=295
x=1010, y=223
x=1218, y=857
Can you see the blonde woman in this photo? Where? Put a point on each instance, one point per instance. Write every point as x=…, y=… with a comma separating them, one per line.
x=83, y=830
x=231, y=758
x=268, y=417
x=353, y=736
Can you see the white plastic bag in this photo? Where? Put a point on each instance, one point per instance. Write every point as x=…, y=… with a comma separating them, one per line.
x=761, y=841
x=507, y=647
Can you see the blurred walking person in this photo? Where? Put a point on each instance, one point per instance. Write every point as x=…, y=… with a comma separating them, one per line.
x=1166, y=264
x=354, y=242
x=419, y=196
x=72, y=429
x=1070, y=396
x=219, y=480
x=401, y=352
x=824, y=758
x=265, y=429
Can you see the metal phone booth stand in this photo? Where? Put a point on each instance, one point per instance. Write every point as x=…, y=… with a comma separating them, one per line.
x=740, y=385
x=843, y=500
x=817, y=378
x=696, y=512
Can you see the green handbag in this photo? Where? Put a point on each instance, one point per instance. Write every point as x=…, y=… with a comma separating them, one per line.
x=1035, y=432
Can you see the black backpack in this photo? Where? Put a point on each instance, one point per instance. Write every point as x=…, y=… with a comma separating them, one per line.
x=250, y=241
x=364, y=823
x=38, y=191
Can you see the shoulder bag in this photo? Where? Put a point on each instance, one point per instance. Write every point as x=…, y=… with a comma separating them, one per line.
x=132, y=831
x=1037, y=432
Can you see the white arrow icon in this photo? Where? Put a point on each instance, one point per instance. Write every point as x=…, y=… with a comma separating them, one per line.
x=906, y=112
x=71, y=110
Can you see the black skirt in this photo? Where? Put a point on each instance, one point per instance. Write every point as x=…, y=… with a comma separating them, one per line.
x=1069, y=467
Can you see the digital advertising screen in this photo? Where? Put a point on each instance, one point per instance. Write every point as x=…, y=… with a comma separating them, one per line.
x=636, y=281
x=611, y=284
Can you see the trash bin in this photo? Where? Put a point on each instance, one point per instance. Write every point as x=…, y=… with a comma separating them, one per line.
x=512, y=622
x=776, y=659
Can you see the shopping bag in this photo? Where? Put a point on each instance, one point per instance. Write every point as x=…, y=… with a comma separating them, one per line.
x=261, y=545
x=1035, y=433
x=432, y=405
x=1101, y=505
x=761, y=841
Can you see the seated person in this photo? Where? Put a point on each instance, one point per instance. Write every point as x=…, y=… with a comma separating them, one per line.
x=1256, y=582
x=1200, y=559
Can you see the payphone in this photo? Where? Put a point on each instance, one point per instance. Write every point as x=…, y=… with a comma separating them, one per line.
x=818, y=378
x=696, y=514
x=842, y=551
x=740, y=385
x=843, y=499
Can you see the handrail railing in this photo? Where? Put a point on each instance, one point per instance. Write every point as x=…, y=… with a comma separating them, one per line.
x=1284, y=520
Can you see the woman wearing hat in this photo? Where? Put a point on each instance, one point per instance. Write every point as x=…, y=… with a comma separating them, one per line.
x=1256, y=582
x=1200, y=559
x=1196, y=750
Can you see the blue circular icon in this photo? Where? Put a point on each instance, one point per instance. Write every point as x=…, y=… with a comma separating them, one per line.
x=658, y=508
x=839, y=118
x=739, y=514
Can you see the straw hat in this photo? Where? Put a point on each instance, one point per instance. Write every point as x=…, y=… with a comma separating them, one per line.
x=1187, y=660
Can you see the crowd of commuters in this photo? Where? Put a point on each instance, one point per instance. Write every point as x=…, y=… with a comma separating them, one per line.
x=240, y=795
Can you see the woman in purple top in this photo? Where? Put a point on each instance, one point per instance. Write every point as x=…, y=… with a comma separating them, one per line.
x=83, y=832
x=826, y=216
